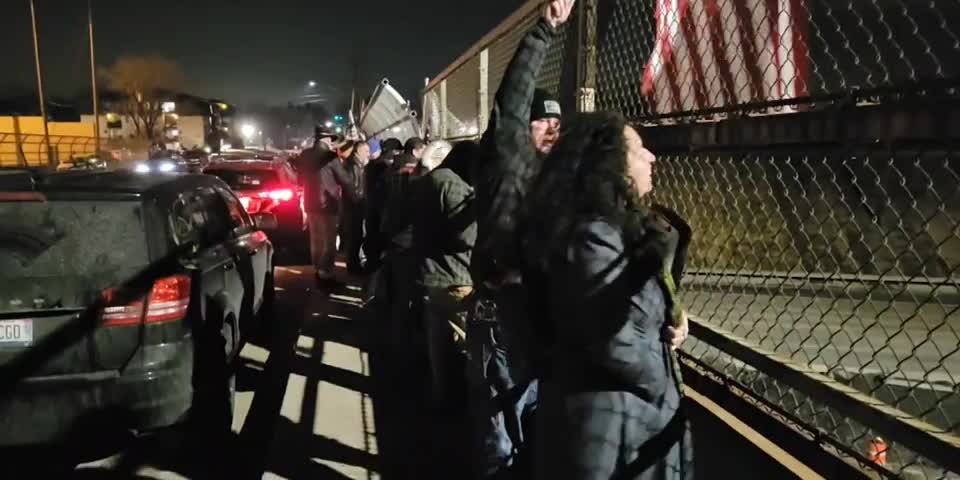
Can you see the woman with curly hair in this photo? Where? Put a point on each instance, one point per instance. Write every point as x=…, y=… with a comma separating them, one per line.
x=610, y=398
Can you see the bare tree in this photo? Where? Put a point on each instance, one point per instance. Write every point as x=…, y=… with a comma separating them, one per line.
x=145, y=83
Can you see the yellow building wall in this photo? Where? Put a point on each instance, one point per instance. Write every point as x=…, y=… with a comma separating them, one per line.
x=25, y=134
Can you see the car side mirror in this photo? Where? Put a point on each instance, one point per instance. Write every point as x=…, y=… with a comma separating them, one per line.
x=265, y=221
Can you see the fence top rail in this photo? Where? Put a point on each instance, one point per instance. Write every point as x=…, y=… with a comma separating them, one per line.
x=498, y=32
x=816, y=276
x=22, y=135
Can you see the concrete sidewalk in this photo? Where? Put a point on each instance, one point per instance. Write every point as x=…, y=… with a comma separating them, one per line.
x=325, y=427
x=347, y=412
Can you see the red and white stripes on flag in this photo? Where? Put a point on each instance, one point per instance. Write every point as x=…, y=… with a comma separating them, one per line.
x=716, y=53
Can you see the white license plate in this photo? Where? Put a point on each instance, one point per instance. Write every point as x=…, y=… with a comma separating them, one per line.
x=16, y=332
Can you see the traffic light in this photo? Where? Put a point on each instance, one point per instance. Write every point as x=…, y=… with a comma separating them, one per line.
x=338, y=119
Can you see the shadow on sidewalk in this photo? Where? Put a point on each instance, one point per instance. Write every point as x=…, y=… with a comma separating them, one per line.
x=299, y=449
x=410, y=438
x=416, y=439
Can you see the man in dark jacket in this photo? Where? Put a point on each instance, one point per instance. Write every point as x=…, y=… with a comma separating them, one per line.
x=392, y=148
x=397, y=228
x=443, y=239
x=351, y=226
x=397, y=216
x=376, y=181
x=326, y=182
x=523, y=127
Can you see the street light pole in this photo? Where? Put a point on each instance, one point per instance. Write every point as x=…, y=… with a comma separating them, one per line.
x=93, y=78
x=36, y=59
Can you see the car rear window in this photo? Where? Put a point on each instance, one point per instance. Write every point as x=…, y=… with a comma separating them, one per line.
x=246, y=179
x=87, y=244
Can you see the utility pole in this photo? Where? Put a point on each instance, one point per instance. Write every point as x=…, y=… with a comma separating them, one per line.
x=93, y=78
x=43, y=106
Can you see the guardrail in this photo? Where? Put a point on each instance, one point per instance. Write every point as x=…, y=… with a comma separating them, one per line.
x=945, y=290
x=909, y=431
x=30, y=150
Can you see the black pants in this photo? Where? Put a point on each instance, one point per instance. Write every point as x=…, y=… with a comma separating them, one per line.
x=351, y=230
x=400, y=268
x=373, y=242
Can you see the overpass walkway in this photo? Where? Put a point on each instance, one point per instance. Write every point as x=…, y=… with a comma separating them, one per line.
x=344, y=413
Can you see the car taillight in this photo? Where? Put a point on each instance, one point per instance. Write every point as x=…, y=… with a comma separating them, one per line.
x=266, y=200
x=167, y=301
x=283, y=194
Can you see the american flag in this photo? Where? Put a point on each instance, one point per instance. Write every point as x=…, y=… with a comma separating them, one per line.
x=715, y=53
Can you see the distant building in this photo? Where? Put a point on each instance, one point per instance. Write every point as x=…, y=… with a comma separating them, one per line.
x=186, y=122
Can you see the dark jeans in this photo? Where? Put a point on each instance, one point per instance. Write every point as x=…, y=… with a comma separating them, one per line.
x=443, y=307
x=323, y=242
x=498, y=406
x=351, y=230
x=373, y=243
x=515, y=317
x=400, y=268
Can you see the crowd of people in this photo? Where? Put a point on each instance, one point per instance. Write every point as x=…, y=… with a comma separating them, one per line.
x=537, y=242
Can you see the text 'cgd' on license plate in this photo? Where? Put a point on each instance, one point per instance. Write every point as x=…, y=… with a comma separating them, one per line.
x=16, y=332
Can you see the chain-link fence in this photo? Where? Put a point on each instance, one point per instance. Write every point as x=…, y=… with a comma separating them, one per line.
x=827, y=237
x=792, y=255
x=812, y=144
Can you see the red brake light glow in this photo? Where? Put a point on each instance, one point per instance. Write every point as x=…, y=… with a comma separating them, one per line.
x=283, y=195
x=167, y=301
x=266, y=200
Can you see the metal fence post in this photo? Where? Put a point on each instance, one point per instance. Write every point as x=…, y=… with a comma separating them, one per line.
x=587, y=56
x=483, y=100
x=443, y=108
x=18, y=143
x=424, y=109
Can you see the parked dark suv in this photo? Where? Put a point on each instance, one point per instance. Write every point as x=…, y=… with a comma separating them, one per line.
x=71, y=240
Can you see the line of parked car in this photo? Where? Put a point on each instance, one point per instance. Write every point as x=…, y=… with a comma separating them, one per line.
x=71, y=239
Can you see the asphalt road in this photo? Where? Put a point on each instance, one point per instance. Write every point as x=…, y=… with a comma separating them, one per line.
x=914, y=342
x=313, y=401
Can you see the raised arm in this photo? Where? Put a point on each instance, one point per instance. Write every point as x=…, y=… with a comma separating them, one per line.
x=507, y=148
x=510, y=120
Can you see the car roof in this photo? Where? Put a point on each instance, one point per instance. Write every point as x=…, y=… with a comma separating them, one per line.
x=246, y=164
x=107, y=182
x=252, y=150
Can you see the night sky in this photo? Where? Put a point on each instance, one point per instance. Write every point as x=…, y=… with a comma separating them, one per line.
x=247, y=51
